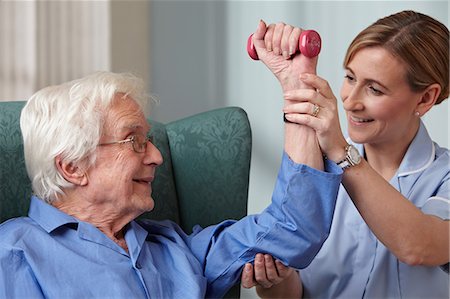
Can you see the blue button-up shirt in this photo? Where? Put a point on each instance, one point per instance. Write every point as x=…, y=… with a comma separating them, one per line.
x=53, y=255
x=353, y=263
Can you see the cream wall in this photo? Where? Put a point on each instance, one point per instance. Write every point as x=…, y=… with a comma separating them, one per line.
x=50, y=42
x=130, y=38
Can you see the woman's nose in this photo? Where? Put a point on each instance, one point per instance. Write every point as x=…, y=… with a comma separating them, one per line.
x=352, y=98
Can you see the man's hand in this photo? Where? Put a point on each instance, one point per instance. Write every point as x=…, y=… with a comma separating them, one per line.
x=277, y=46
x=271, y=278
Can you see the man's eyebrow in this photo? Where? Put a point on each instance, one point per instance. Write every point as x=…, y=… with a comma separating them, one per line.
x=132, y=127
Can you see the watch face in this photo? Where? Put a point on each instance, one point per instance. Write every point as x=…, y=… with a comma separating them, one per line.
x=354, y=155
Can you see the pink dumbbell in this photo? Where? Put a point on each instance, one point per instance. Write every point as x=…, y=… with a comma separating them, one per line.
x=309, y=44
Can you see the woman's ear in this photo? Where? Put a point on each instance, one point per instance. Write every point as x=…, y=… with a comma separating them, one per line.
x=429, y=98
x=71, y=172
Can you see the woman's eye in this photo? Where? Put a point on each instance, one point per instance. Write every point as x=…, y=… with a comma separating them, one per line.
x=375, y=91
x=349, y=78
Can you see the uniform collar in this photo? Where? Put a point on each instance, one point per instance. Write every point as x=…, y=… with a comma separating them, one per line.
x=419, y=156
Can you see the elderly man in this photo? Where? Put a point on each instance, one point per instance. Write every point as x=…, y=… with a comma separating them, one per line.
x=92, y=164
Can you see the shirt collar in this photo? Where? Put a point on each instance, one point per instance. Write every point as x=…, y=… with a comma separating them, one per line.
x=135, y=237
x=419, y=156
x=51, y=218
x=47, y=216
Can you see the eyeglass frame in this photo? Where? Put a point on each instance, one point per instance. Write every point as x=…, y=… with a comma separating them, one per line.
x=134, y=143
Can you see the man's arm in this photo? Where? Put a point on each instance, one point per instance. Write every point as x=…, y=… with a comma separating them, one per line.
x=292, y=228
x=16, y=276
x=297, y=222
x=271, y=42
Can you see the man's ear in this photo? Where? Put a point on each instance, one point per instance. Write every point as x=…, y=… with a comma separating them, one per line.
x=71, y=172
x=429, y=98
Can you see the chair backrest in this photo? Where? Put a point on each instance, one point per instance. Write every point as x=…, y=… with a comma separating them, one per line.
x=15, y=186
x=203, y=180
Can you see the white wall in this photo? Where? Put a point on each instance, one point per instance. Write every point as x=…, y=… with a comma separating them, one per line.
x=199, y=62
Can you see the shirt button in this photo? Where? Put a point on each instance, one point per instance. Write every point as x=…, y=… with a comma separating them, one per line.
x=138, y=265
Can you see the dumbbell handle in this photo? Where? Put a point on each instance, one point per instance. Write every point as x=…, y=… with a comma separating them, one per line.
x=309, y=44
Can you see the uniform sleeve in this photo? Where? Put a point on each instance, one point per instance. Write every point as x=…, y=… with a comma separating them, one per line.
x=293, y=227
x=439, y=203
x=14, y=272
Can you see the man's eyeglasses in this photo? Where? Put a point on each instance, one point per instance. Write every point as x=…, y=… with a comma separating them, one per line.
x=139, y=142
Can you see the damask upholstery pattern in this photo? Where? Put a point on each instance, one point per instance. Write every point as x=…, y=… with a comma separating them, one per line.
x=211, y=158
x=15, y=186
x=164, y=192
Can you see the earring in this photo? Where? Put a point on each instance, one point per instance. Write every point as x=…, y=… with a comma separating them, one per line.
x=417, y=113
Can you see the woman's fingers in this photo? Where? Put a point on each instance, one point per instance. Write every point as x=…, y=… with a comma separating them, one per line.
x=321, y=94
x=321, y=85
x=303, y=108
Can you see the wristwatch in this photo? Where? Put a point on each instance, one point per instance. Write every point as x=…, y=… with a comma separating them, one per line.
x=352, y=157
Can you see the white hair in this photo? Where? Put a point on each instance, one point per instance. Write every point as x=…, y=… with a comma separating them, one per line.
x=67, y=120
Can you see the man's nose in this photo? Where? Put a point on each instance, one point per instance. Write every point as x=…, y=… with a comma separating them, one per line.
x=152, y=154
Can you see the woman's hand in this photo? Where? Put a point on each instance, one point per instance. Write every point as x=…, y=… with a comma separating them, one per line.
x=271, y=278
x=276, y=46
x=323, y=118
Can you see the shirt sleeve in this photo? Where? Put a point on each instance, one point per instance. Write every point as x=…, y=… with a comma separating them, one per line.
x=14, y=272
x=292, y=228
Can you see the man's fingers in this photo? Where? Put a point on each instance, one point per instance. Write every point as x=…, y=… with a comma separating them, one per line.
x=283, y=271
x=260, y=31
x=247, y=279
x=260, y=271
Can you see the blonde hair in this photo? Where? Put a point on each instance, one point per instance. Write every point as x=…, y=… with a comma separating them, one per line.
x=418, y=40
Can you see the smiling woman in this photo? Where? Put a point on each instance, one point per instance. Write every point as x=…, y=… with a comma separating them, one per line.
x=379, y=102
x=390, y=229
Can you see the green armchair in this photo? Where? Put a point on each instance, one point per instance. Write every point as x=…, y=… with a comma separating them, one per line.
x=203, y=180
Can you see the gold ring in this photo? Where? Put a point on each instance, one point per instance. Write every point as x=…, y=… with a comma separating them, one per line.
x=316, y=110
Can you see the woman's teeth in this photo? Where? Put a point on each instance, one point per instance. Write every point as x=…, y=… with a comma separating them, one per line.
x=360, y=120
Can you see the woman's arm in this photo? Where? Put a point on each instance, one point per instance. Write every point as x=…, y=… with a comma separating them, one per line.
x=414, y=237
